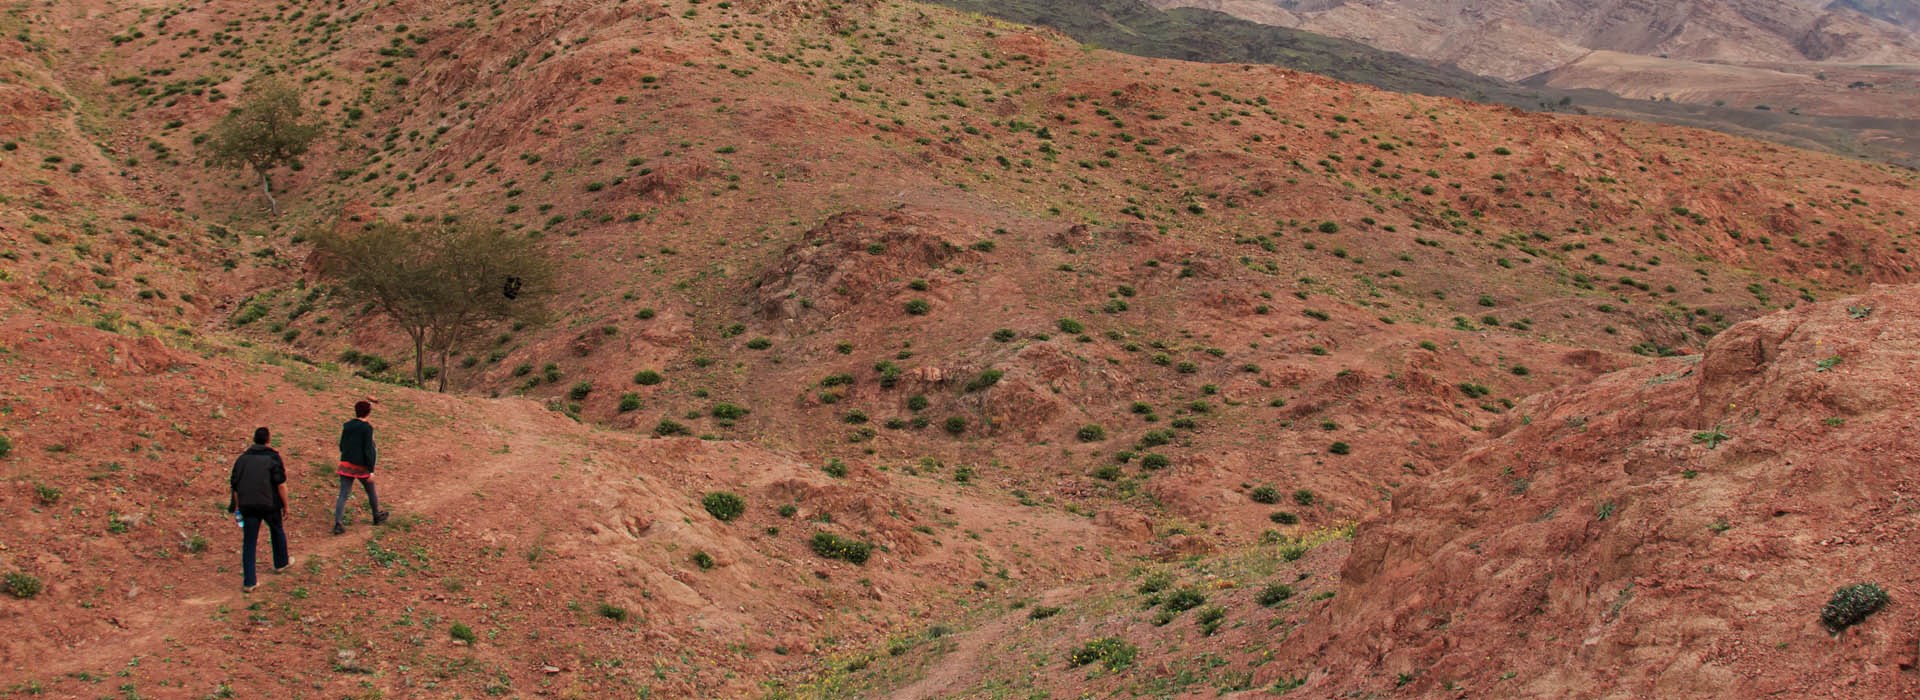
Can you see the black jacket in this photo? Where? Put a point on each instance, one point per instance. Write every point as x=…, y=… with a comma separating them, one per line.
x=356, y=443
x=257, y=475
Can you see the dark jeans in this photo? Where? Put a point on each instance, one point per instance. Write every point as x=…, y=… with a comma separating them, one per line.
x=346, y=489
x=250, y=541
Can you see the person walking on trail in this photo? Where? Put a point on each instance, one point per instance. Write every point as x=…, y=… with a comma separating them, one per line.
x=357, y=457
x=259, y=495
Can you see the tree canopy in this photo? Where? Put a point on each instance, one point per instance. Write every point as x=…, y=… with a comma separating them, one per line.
x=442, y=283
x=265, y=132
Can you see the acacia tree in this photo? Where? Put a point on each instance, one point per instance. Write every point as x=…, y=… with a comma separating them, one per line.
x=265, y=132
x=442, y=284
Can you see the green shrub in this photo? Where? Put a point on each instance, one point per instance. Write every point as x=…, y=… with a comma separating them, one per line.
x=1264, y=494
x=462, y=632
x=1184, y=599
x=48, y=495
x=613, y=612
x=956, y=425
x=1851, y=604
x=918, y=307
x=916, y=402
x=1091, y=433
x=1340, y=448
x=1283, y=517
x=1042, y=612
x=702, y=560
x=835, y=468
x=629, y=402
x=580, y=391
x=723, y=505
x=1273, y=595
x=667, y=428
x=759, y=344
x=833, y=546
x=1303, y=497
x=1329, y=227
x=1156, y=582
x=727, y=411
x=788, y=510
x=1113, y=652
x=22, y=585
x=985, y=379
x=6, y=445
x=1068, y=325
x=1210, y=619
x=1153, y=461
x=647, y=377
x=1004, y=335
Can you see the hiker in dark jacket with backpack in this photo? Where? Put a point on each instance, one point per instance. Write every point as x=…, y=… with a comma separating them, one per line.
x=357, y=457
x=259, y=495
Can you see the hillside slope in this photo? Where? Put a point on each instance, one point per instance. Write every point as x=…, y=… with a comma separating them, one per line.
x=1024, y=313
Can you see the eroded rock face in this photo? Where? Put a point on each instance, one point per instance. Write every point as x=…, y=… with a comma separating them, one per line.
x=1671, y=529
x=847, y=260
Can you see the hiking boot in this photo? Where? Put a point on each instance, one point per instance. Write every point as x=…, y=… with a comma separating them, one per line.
x=380, y=518
x=339, y=529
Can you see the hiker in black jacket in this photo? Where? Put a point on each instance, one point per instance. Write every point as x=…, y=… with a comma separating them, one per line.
x=357, y=457
x=259, y=494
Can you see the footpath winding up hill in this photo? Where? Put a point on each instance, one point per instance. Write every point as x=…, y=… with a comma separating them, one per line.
x=1041, y=323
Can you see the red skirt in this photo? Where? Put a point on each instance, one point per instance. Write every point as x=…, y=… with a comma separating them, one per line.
x=353, y=471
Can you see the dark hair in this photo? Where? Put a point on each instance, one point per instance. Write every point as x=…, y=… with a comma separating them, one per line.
x=261, y=436
x=360, y=410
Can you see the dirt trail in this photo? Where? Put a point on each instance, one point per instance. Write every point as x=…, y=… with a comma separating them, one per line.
x=950, y=675
x=413, y=487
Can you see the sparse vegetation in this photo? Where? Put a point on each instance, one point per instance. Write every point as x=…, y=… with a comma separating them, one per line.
x=846, y=549
x=1852, y=604
x=22, y=585
x=724, y=505
x=1112, y=652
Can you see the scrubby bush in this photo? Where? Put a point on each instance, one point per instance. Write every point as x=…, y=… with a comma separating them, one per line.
x=918, y=307
x=1851, y=604
x=613, y=612
x=1264, y=494
x=1283, y=517
x=580, y=391
x=917, y=402
x=759, y=344
x=22, y=585
x=1152, y=461
x=6, y=445
x=985, y=379
x=1303, y=497
x=1340, y=448
x=1273, y=595
x=462, y=632
x=847, y=549
x=1113, y=652
x=1004, y=335
x=1091, y=433
x=647, y=377
x=1068, y=325
x=702, y=560
x=727, y=411
x=956, y=425
x=835, y=468
x=723, y=505
x=668, y=427
x=1184, y=599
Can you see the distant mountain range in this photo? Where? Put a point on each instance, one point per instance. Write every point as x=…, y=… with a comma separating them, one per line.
x=1843, y=77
